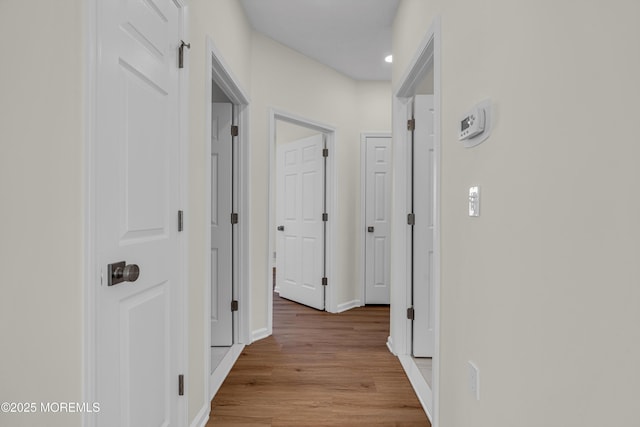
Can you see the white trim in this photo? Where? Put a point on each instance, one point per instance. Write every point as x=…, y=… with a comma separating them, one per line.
x=348, y=305
x=427, y=55
x=390, y=345
x=202, y=417
x=183, y=200
x=222, y=370
x=363, y=207
x=260, y=334
x=89, y=349
x=419, y=384
x=330, y=132
x=217, y=71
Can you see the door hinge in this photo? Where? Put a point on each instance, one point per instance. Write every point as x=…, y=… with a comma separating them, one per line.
x=181, y=53
x=411, y=219
x=411, y=313
x=325, y=281
x=180, y=220
x=411, y=124
x=325, y=217
x=180, y=385
x=234, y=130
x=234, y=218
x=325, y=152
x=234, y=305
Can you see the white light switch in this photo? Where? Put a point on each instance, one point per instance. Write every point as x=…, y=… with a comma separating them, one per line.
x=474, y=201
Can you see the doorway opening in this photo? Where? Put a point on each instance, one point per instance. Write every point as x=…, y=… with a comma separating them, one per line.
x=421, y=289
x=226, y=292
x=301, y=204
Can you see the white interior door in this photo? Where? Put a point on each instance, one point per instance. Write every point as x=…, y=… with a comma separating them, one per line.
x=377, y=219
x=136, y=171
x=299, y=208
x=221, y=228
x=423, y=243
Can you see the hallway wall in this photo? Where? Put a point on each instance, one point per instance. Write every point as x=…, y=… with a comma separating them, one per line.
x=42, y=204
x=541, y=290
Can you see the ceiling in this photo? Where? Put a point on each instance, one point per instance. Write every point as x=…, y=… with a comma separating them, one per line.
x=351, y=36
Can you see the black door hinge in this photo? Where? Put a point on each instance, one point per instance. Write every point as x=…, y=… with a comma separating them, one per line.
x=234, y=218
x=234, y=305
x=325, y=217
x=234, y=130
x=411, y=313
x=325, y=281
x=181, y=53
x=180, y=385
x=411, y=124
x=180, y=220
x=411, y=219
x=325, y=152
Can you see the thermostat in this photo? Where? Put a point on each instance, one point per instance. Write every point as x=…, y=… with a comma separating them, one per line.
x=472, y=124
x=475, y=125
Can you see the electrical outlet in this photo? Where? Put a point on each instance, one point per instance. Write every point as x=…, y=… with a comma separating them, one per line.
x=474, y=380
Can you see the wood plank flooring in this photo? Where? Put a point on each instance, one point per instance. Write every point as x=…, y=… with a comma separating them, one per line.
x=319, y=369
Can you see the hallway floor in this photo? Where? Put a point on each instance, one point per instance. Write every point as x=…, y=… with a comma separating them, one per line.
x=319, y=369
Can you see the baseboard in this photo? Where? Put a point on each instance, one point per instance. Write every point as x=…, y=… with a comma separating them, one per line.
x=348, y=305
x=202, y=416
x=390, y=345
x=220, y=374
x=419, y=384
x=259, y=334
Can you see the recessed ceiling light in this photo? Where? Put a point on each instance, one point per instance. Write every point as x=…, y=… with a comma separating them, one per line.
x=388, y=58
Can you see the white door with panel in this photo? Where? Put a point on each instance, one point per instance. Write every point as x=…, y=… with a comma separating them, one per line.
x=221, y=227
x=299, y=211
x=377, y=219
x=137, y=181
x=424, y=204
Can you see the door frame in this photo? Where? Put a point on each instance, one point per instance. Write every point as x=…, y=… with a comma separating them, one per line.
x=330, y=133
x=91, y=271
x=217, y=71
x=426, y=57
x=363, y=205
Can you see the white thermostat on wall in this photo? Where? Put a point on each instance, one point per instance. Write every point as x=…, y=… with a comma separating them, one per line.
x=472, y=124
x=475, y=124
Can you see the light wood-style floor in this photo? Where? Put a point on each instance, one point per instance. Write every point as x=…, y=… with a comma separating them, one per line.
x=319, y=369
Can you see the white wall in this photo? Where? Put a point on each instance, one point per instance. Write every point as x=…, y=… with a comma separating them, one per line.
x=540, y=291
x=41, y=205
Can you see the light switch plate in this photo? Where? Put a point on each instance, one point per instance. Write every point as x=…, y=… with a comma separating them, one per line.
x=474, y=201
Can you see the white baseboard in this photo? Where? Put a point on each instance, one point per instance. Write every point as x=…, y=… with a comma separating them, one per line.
x=202, y=416
x=259, y=334
x=220, y=373
x=419, y=384
x=390, y=345
x=348, y=305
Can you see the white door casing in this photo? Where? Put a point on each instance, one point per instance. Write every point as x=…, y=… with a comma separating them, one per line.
x=220, y=226
x=299, y=208
x=377, y=219
x=137, y=182
x=423, y=231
